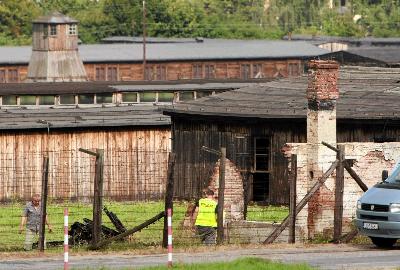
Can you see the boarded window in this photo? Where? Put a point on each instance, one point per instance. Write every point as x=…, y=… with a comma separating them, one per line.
x=129, y=97
x=197, y=71
x=86, y=99
x=293, y=69
x=46, y=100
x=100, y=74
x=13, y=75
x=245, y=71
x=186, y=96
x=2, y=76
x=72, y=29
x=257, y=71
x=67, y=99
x=148, y=97
x=112, y=74
x=165, y=96
x=53, y=29
x=209, y=71
x=149, y=76
x=161, y=73
x=104, y=98
x=27, y=100
x=10, y=100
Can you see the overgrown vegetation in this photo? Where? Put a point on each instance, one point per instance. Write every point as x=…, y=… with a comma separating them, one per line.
x=206, y=18
x=130, y=213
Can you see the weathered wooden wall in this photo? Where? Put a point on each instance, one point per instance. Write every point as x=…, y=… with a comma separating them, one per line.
x=135, y=163
x=194, y=166
x=179, y=70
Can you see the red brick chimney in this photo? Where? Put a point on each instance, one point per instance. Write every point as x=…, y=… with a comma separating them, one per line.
x=322, y=93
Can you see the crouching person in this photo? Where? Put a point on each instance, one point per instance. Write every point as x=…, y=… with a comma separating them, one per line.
x=205, y=216
x=31, y=218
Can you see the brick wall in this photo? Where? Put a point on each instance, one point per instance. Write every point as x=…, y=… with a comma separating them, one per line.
x=369, y=161
x=234, y=193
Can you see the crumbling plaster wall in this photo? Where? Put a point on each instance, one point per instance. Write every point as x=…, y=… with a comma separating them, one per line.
x=369, y=161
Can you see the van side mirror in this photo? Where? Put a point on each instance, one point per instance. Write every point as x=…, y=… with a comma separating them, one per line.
x=385, y=175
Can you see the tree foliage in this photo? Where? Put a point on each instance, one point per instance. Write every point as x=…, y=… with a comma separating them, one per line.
x=205, y=18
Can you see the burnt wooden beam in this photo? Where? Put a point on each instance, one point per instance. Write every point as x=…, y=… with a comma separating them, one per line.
x=130, y=231
x=88, y=152
x=221, y=191
x=278, y=230
x=355, y=176
x=169, y=195
x=43, y=205
x=292, y=199
x=330, y=146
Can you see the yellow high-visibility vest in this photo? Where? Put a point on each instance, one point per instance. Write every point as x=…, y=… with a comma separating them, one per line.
x=206, y=215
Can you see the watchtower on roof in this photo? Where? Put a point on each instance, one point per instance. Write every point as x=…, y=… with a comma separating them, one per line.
x=55, y=54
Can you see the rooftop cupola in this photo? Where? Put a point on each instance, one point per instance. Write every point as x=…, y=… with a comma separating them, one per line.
x=55, y=54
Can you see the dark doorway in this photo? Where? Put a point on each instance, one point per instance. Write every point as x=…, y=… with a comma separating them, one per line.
x=261, y=169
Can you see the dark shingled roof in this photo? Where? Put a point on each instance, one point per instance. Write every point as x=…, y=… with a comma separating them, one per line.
x=210, y=49
x=387, y=54
x=365, y=93
x=55, y=18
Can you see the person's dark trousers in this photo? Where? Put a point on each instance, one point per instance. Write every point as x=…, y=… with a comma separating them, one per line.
x=207, y=234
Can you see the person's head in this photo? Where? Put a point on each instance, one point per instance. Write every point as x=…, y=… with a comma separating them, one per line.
x=36, y=199
x=209, y=193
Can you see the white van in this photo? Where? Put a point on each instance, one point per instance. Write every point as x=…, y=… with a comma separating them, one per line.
x=378, y=211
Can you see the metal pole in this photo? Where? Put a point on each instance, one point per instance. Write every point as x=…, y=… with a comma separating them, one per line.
x=144, y=40
x=66, y=266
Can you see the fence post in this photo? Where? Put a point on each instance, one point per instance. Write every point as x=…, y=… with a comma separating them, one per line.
x=43, y=204
x=339, y=185
x=169, y=195
x=66, y=239
x=169, y=217
x=292, y=199
x=221, y=191
x=98, y=198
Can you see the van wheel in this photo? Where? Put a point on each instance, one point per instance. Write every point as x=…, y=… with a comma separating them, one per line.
x=383, y=242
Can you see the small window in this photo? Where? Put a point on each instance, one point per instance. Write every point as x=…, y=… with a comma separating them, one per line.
x=112, y=74
x=9, y=100
x=53, y=30
x=100, y=74
x=67, y=99
x=46, y=100
x=129, y=97
x=257, y=71
x=197, y=71
x=147, y=97
x=209, y=71
x=13, y=75
x=86, y=99
x=104, y=98
x=161, y=73
x=203, y=94
x=245, y=71
x=262, y=148
x=27, y=100
x=186, y=96
x=293, y=69
x=149, y=74
x=72, y=29
x=165, y=96
x=2, y=76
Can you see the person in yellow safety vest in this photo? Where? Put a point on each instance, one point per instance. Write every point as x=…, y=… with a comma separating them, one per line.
x=205, y=216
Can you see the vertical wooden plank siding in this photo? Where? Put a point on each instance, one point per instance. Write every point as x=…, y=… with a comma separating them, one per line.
x=135, y=163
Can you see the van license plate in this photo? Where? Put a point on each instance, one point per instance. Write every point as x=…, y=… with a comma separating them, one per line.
x=370, y=226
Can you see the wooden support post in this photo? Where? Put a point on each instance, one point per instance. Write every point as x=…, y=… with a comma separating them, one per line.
x=43, y=203
x=292, y=199
x=277, y=231
x=221, y=191
x=98, y=198
x=339, y=186
x=169, y=195
x=355, y=176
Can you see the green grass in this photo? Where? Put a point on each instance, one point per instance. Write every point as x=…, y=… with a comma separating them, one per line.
x=239, y=264
x=130, y=213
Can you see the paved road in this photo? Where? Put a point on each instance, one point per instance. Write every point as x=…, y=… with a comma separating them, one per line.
x=324, y=256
